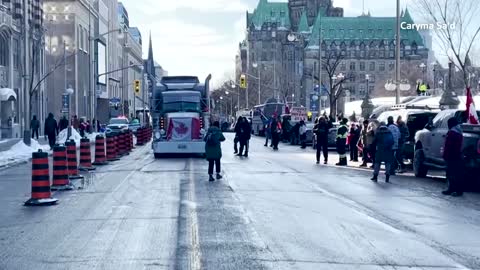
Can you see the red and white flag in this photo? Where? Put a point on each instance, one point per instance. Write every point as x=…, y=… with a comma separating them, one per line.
x=287, y=109
x=472, y=112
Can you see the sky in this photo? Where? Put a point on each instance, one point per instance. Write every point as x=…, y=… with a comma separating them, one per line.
x=199, y=37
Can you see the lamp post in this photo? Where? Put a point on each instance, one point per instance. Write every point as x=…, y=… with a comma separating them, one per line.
x=367, y=105
x=434, y=64
x=255, y=65
x=69, y=91
x=423, y=67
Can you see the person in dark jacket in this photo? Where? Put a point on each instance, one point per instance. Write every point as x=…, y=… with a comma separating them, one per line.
x=342, y=133
x=303, y=134
x=213, y=149
x=268, y=133
x=51, y=130
x=35, y=126
x=63, y=123
x=404, y=135
x=453, y=156
x=237, y=130
x=76, y=122
x=352, y=143
x=245, y=135
x=276, y=129
x=321, y=130
x=365, y=143
x=384, y=142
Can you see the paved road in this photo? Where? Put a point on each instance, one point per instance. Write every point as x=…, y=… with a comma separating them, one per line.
x=274, y=210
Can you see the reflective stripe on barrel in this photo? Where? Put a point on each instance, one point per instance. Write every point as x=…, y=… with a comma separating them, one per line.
x=40, y=176
x=100, y=149
x=111, y=152
x=72, y=163
x=85, y=153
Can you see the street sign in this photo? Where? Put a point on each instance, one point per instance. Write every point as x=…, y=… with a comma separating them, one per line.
x=115, y=100
x=65, y=103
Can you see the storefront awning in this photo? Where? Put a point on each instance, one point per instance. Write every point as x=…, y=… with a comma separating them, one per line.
x=7, y=94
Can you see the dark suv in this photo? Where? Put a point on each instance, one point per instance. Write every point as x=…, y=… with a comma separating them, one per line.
x=430, y=141
x=416, y=119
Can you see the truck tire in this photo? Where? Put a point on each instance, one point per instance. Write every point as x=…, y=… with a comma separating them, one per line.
x=419, y=168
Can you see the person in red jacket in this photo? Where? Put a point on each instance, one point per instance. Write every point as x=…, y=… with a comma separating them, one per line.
x=452, y=154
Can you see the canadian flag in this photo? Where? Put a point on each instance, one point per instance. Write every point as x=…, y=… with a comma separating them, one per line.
x=287, y=109
x=472, y=112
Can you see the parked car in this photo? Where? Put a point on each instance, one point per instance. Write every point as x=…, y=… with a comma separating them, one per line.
x=295, y=140
x=117, y=124
x=430, y=141
x=134, y=126
x=416, y=119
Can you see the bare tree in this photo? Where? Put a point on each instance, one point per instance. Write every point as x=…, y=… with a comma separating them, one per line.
x=456, y=27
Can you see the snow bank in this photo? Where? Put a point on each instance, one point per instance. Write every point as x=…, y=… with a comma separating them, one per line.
x=21, y=152
x=62, y=137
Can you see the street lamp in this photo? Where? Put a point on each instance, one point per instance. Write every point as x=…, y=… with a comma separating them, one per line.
x=69, y=91
x=255, y=65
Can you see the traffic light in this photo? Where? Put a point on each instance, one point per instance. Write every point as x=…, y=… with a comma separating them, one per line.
x=137, y=86
x=243, y=81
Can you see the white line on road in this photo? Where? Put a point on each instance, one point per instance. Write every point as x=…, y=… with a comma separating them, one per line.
x=192, y=224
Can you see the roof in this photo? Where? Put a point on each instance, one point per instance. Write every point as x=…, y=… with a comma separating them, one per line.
x=363, y=28
x=303, y=25
x=270, y=12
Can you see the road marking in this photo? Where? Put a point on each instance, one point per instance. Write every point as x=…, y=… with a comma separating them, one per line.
x=194, y=255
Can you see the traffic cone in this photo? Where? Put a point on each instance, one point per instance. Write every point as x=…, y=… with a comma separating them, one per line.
x=125, y=143
x=60, y=169
x=111, y=148
x=72, y=162
x=85, y=155
x=100, y=157
x=140, y=136
x=41, y=193
x=130, y=140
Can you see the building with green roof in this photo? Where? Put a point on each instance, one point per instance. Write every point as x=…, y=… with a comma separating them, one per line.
x=284, y=41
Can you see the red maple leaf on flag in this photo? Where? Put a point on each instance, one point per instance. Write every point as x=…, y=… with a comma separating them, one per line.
x=181, y=129
x=471, y=111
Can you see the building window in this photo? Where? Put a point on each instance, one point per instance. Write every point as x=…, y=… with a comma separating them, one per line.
x=282, y=13
x=362, y=66
x=372, y=78
x=372, y=66
x=391, y=54
x=253, y=57
x=315, y=68
x=361, y=89
x=343, y=66
x=272, y=14
x=381, y=66
x=371, y=88
x=80, y=37
x=352, y=65
x=353, y=78
x=370, y=33
x=382, y=53
x=16, y=54
x=391, y=66
x=87, y=41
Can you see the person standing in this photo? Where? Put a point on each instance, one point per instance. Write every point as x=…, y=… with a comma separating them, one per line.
x=268, y=132
x=63, y=123
x=453, y=156
x=342, y=133
x=352, y=143
x=35, y=126
x=276, y=129
x=51, y=130
x=303, y=134
x=213, y=150
x=404, y=135
x=396, y=138
x=321, y=129
x=76, y=122
x=245, y=135
x=237, y=130
x=384, y=142
x=364, y=143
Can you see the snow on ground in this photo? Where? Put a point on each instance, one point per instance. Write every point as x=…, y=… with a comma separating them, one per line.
x=62, y=137
x=21, y=152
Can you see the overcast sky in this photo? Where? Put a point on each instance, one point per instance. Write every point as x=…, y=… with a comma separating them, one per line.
x=198, y=37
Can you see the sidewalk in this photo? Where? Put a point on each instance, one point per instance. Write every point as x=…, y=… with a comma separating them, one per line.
x=14, y=151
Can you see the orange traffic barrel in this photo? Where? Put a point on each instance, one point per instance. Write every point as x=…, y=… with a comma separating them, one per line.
x=130, y=140
x=85, y=155
x=72, y=161
x=41, y=193
x=60, y=169
x=125, y=142
x=100, y=157
x=139, y=136
x=111, y=148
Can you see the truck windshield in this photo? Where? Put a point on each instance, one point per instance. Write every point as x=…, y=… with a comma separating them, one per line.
x=181, y=106
x=181, y=101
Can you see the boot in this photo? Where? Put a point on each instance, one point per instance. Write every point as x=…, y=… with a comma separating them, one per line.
x=387, y=178
x=374, y=178
x=344, y=161
x=219, y=176
x=210, y=178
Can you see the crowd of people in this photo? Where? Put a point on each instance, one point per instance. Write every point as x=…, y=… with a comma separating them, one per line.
x=52, y=128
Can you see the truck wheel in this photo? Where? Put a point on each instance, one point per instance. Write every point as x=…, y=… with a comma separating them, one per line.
x=419, y=167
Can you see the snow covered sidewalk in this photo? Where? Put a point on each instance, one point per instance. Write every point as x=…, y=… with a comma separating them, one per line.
x=20, y=153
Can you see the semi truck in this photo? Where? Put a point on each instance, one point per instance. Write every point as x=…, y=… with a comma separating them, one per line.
x=181, y=115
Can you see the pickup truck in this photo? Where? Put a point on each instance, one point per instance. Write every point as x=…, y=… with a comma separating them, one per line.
x=430, y=142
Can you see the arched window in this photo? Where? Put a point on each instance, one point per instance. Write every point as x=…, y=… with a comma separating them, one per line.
x=4, y=51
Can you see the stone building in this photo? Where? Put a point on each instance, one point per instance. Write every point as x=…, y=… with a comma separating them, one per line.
x=285, y=41
x=12, y=48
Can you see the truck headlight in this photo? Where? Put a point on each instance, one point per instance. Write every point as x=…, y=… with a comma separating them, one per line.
x=202, y=131
x=162, y=131
x=158, y=135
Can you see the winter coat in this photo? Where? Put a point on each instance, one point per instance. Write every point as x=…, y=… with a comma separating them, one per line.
x=453, y=145
x=370, y=136
x=396, y=135
x=35, y=124
x=51, y=128
x=383, y=151
x=404, y=133
x=245, y=131
x=214, y=151
x=322, y=130
x=354, y=136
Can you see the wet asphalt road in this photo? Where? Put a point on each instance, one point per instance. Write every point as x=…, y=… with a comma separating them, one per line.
x=273, y=210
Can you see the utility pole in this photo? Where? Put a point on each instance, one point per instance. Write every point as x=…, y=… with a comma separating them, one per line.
x=26, y=75
x=320, y=69
x=397, y=57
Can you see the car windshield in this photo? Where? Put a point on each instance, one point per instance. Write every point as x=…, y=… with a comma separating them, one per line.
x=118, y=121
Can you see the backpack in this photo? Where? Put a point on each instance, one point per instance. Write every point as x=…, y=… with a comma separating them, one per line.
x=212, y=139
x=388, y=140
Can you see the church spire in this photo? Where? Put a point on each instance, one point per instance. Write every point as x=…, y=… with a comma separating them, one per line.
x=150, y=48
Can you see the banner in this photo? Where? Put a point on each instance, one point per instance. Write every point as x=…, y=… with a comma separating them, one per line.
x=180, y=129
